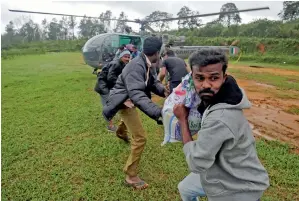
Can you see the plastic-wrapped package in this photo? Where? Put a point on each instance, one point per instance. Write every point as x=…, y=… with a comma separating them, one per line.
x=185, y=94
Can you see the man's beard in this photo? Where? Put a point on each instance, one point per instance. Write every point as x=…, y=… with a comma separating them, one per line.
x=206, y=98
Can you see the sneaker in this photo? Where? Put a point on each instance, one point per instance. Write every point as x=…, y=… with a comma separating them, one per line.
x=112, y=128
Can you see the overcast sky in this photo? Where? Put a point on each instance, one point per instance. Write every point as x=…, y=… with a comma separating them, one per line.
x=134, y=10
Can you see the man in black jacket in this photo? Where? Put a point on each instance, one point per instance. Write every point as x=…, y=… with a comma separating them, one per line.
x=133, y=88
x=106, y=81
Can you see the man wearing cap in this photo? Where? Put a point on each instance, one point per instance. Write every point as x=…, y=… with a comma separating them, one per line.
x=133, y=89
x=106, y=81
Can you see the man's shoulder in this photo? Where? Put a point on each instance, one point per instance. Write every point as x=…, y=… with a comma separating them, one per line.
x=114, y=62
x=180, y=59
x=137, y=61
x=226, y=113
x=232, y=118
x=135, y=65
x=175, y=59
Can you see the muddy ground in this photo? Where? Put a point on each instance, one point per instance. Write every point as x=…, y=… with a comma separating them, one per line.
x=269, y=114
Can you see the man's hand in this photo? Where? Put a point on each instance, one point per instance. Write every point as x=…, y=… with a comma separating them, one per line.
x=159, y=121
x=181, y=112
x=129, y=103
x=166, y=92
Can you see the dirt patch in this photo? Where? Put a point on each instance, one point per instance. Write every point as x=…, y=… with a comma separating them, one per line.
x=268, y=115
x=271, y=123
x=265, y=85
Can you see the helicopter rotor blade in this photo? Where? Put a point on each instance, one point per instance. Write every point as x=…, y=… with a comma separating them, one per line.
x=210, y=14
x=149, y=28
x=45, y=13
x=145, y=21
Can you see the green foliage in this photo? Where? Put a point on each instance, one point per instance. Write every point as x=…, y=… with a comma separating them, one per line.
x=259, y=28
x=250, y=45
x=231, y=18
x=157, y=15
x=188, y=23
x=290, y=10
x=43, y=47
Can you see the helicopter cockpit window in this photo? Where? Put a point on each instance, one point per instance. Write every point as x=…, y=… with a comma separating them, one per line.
x=109, y=47
x=98, y=40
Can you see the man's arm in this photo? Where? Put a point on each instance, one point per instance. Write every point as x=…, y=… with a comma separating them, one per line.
x=186, y=135
x=113, y=73
x=187, y=68
x=162, y=73
x=157, y=87
x=201, y=154
x=182, y=113
x=101, y=84
x=135, y=84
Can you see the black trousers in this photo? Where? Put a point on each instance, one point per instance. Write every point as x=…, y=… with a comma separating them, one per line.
x=173, y=84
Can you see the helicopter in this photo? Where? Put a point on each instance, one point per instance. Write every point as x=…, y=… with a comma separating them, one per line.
x=100, y=49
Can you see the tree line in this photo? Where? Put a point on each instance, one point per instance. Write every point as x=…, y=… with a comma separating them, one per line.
x=24, y=30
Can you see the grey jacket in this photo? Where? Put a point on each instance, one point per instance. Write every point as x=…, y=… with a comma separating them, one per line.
x=131, y=84
x=225, y=156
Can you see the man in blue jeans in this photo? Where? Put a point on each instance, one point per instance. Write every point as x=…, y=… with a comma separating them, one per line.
x=223, y=160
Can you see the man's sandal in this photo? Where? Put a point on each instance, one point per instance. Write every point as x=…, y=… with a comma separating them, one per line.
x=137, y=186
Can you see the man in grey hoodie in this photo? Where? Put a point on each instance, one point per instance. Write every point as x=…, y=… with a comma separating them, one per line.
x=223, y=160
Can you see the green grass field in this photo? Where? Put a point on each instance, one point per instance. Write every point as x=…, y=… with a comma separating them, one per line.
x=55, y=146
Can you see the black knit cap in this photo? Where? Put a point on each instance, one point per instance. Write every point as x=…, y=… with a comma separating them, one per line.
x=151, y=45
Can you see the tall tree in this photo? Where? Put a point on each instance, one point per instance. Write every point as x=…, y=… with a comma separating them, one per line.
x=190, y=22
x=72, y=24
x=107, y=23
x=97, y=27
x=10, y=31
x=10, y=28
x=30, y=31
x=63, y=28
x=158, y=15
x=20, y=21
x=121, y=25
x=54, y=30
x=83, y=27
x=228, y=19
x=89, y=27
x=290, y=10
x=45, y=27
